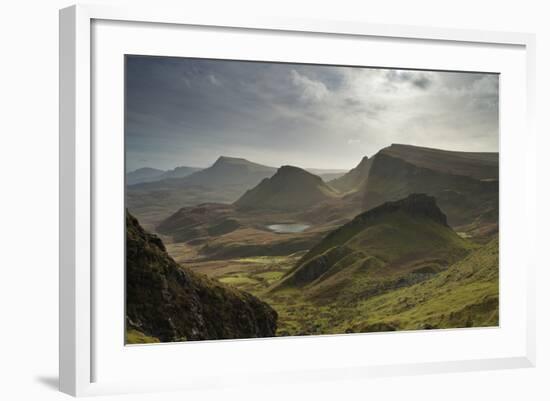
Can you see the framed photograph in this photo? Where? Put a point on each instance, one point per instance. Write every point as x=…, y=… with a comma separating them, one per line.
x=276, y=200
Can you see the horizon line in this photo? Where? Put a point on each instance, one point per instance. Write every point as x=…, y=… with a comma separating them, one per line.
x=308, y=168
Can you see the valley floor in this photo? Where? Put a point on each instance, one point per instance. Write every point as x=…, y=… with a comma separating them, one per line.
x=464, y=295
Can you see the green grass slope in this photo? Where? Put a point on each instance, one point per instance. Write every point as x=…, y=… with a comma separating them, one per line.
x=394, y=245
x=465, y=295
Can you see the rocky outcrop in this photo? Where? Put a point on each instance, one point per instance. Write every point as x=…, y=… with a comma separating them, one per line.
x=169, y=302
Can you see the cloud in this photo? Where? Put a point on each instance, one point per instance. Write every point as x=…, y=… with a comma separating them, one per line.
x=183, y=111
x=418, y=79
x=311, y=91
x=213, y=80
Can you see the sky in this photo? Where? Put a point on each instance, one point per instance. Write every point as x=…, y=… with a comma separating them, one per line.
x=188, y=112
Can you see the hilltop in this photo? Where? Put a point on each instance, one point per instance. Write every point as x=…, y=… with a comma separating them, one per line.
x=223, y=182
x=228, y=171
x=291, y=188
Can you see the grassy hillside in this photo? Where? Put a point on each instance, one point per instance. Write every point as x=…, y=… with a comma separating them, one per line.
x=396, y=244
x=465, y=295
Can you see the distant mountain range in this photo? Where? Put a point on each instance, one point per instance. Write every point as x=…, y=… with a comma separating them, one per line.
x=144, y=174
x=148, y=174
x=465, y=185
x=223, y=182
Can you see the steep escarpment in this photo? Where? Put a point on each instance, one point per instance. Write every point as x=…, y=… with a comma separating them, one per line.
x=465, y=185
x=168, y=302
x=478, y=165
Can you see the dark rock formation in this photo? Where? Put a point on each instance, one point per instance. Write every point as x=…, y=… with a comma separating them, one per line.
x=172, y=303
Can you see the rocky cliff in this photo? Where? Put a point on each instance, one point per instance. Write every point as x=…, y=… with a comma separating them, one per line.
x=172, y=303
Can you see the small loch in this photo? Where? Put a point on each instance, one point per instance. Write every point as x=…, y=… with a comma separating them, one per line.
x=288, y=228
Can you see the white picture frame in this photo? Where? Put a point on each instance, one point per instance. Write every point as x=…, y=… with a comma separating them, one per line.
x=78, y=369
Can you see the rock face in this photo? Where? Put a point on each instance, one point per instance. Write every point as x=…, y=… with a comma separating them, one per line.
x=172, y=303
x=291, y=188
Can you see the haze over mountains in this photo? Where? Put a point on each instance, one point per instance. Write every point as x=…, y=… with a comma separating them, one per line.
x=465, y=185
x=223, y=182
x=148, y=174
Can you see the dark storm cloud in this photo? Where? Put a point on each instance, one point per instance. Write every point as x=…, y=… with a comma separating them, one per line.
x=190, y=111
